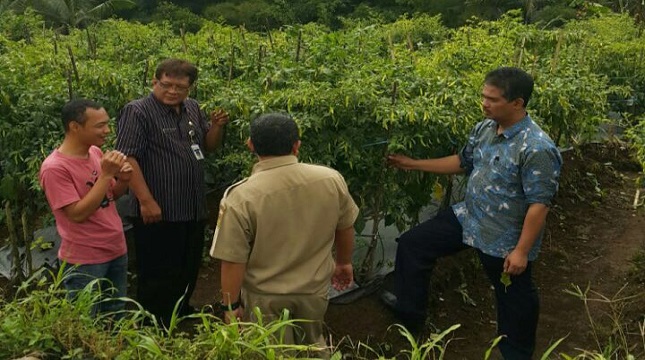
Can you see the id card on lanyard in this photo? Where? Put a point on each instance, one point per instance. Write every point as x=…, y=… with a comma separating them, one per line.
x=197, y=151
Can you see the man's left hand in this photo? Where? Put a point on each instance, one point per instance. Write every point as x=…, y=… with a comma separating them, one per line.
x=515, y=262
x=219, y=118
x=125, y=174
x=343, y=277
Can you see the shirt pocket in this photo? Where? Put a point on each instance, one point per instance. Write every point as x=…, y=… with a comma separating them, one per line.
x=506, y=174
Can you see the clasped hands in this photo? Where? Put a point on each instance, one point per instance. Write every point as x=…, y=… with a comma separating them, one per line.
x=114, y=164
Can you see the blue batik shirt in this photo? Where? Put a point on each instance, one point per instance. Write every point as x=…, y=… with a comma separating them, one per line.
x=507, y=173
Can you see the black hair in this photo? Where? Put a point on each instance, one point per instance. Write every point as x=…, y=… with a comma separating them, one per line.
x=75, y=110
x=177, y=68
x=515, y=83
x=274, y=134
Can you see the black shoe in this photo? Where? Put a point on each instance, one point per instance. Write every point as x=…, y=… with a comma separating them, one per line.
x=409, y=321
x=389, y=300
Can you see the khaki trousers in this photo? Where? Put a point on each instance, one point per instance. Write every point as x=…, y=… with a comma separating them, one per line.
x=311, y=308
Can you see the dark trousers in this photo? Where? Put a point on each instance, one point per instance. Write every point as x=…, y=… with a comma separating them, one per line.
x=417, y=252
x=168, y=257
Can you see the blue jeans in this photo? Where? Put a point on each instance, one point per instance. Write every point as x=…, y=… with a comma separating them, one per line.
x=113, y=282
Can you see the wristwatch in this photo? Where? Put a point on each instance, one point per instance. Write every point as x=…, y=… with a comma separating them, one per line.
x=231, y=306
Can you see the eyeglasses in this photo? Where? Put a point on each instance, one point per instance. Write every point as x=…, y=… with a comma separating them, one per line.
x=176, y=87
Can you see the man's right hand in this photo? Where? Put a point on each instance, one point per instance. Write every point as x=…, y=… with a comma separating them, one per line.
x=400, y=161
x=111, y=163
x=235, y=315
x=150, y=211
x=446, y=165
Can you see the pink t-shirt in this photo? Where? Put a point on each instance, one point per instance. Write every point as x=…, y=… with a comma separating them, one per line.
x=66, y=180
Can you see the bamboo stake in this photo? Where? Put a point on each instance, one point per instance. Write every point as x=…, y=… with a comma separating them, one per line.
x=232, y=59
x=144, y=78
x=299, y=45
x=521, y=55
x=367, y=267
x=411, y=49
x=246, y=49
x=95, y=43
x=195, y=91
x=270, y=38
x=27, y=239
x=640, y=57
x=637, y=198
x=16, y=271
x=91, y=50
x=556, y=54
x=183, y=39
x=73, y=60
x=260, y=57
x=70, y=86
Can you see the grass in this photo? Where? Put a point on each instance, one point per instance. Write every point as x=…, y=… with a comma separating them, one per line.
x=42, y=322
x=614, y=333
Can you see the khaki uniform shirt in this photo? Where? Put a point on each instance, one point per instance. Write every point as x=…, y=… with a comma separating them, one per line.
x=281, y=222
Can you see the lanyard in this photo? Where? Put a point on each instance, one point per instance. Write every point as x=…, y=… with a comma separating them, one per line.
x=191, y=132
x=197, y=151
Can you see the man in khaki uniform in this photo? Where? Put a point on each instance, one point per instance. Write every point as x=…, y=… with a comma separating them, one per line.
x=275, y=234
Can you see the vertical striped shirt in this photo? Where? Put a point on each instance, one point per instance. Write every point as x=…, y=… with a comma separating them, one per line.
x=160, y=139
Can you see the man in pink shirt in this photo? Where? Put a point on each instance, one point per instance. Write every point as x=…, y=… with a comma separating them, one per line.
x=81, y=183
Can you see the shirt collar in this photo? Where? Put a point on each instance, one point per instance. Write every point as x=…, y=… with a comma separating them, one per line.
x=515, y=129
x=275, y=162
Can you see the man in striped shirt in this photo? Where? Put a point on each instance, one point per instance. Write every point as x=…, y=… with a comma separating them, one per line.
x=164, y=136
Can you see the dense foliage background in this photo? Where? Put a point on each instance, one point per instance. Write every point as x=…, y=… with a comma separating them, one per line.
x=359, y=92
x=361, y=78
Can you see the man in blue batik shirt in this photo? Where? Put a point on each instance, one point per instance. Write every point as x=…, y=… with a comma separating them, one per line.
x=513, y=169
